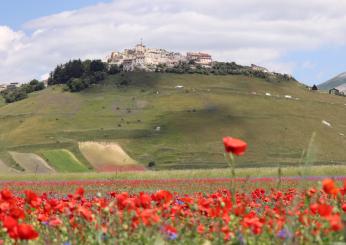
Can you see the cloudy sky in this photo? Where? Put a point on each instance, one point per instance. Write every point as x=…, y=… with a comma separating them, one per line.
x=304, y=38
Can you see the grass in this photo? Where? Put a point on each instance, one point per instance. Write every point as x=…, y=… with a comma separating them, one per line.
x=192, y=120
x=63, y=161
x=330, y=170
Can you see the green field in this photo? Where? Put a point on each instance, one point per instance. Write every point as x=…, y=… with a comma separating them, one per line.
x=192, y=121
x=331, y=170
x=63, y=161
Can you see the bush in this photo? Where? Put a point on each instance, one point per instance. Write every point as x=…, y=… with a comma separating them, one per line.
x=15, y=94
x=76, y=85
x=19, y=93
x=151, y=164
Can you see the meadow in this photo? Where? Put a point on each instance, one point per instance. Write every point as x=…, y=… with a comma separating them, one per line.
x=153, y=121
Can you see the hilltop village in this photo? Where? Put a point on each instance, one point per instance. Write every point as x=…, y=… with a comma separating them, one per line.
x=77, y=75
x=156, y=59
x=142, y=58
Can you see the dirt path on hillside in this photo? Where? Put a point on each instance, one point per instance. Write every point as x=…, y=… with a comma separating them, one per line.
x=32, y=163
x=4, y=169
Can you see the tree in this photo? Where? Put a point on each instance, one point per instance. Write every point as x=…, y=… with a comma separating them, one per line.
x=314, y=88
x=78, y=75
x=36, y=85
x=63, y=73
x=114, y=69
x=99, y=76
x=97, y=66
x=74, y=69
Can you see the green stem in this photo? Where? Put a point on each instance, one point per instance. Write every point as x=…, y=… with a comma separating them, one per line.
x=231, y=164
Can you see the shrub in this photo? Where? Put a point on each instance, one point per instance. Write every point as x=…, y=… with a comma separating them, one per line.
x=151, y=164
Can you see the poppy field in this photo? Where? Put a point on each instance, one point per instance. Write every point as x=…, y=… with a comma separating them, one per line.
x=232, y=210
x=252, y=216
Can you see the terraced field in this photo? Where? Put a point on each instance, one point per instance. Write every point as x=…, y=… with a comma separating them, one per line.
x=32, y=163
x=108, y=157
x=5, y=169
x=64, y=161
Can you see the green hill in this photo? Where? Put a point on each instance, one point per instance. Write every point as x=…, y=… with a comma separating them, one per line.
x=180, y=127
x=334, y=82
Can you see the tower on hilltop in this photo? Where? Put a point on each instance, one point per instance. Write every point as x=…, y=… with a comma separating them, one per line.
x=140, y=47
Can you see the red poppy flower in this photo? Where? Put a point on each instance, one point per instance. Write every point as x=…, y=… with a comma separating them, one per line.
x=343, y=190
x=86, y=213
x=26, y=232
x=79, y=193
x=55, y=222
x=314, y=208
x=235, y=146
x=9, y=223
x=325, y=210
x=17, y=213
x=145, y=200
x=166, y=196
x=329, y=187
x=200, y=229
x=336, y=223
x=344, y=207
x=32, y=198
x=6, y=194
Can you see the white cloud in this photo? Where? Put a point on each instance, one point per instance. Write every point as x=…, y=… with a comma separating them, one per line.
x=8, y=38
x=244, y=31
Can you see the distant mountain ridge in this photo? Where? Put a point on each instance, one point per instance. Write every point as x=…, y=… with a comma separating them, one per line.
x=334, y=82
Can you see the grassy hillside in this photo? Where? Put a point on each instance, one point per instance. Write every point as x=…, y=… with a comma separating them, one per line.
x=192, y=120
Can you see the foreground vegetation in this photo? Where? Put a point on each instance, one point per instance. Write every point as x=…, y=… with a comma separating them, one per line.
x=262, y=215
x=177, y=207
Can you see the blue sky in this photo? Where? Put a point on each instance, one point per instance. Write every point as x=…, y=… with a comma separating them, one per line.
x=304, y=38
x=318, y=65
x=16, y=12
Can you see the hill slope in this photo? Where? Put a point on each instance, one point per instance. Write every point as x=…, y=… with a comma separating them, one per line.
x=181, y=127
x=334, y=82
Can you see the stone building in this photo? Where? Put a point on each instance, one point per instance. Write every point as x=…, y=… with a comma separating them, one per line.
x=199, y=58
x=143, y=58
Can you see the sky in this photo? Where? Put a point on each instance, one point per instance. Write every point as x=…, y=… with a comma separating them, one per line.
x=304, y=38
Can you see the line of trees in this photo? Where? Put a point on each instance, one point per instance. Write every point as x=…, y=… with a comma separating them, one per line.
x=78, y=75
x=222, y=68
